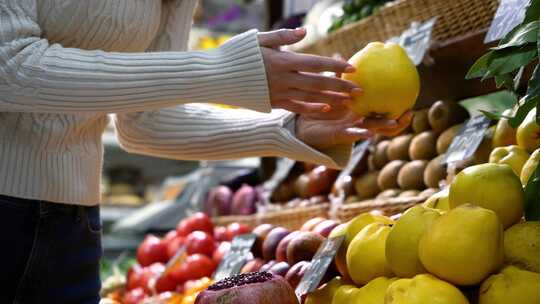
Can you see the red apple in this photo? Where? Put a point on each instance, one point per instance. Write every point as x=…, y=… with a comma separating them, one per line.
x=200, y=242
x=281, y=250
x=134, y=296
x=134, y=276
x=267, y=266
x=149, y=273
x=310, y=224
x=198, y=221
x=220, y=252
x=252, y=266
x=195, y=266
x=220, y=234
x=324, y=228
x=296, y=272
x=165, y=283
x=174, y=246
x=236, y=229
x=151, y=250
x=280, y=269
x=171, y=235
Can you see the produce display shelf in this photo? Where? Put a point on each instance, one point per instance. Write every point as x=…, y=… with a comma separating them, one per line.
x=454, y=19
x=389, y=206
x=292, y=218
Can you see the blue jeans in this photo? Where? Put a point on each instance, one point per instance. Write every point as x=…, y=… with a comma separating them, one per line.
x=50, y=252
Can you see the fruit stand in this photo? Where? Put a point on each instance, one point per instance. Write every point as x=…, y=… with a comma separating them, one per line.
x=447, y=211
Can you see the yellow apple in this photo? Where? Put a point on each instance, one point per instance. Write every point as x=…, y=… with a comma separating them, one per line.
x=513, y=156
x=463, y=246
x=528, y=133
x=492, y=186
x=530, y=166
x=504, y=134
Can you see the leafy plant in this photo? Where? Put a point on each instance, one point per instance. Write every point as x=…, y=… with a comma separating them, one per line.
x=532, y=197
x=506, y=64
x=356, y=10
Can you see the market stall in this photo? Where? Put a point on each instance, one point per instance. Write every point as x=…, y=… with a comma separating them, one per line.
x=447, y=211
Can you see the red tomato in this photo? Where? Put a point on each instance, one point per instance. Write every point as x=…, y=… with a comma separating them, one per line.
x=200, y=242
x=220, y=252
x=149, y=273
x=198, y=221
x=195, y=266
x=171, y=235
x=165, y=283
x=151, y=250
x=174, y=245
x=134, y=276
x=134, y=296
x=235, y=229
x=220, y=234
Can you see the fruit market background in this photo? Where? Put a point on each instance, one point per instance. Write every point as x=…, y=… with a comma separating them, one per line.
x=477, y=61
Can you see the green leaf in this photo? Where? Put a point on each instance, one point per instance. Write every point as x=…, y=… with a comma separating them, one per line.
x=538, y=113
x=479, y=68
x=533, y=87
x=532, y=197
x=524, y=107
x=491, y=115
x=517, y=79
x=524, y=34
x=508, y=60
x=505, y=80
x=533, y=12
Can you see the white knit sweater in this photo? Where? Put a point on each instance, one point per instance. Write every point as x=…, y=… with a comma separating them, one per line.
x=66, y=64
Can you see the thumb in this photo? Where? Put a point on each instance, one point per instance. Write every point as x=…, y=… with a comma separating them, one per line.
x=281, y=37
x=352, y=135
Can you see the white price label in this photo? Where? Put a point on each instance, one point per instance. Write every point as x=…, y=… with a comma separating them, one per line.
x=319, y=265
x=417, y=39
x=237, y=257
x=509, y=14
x=468, y=139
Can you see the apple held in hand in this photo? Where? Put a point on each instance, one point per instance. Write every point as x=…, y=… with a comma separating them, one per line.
x=388, y=78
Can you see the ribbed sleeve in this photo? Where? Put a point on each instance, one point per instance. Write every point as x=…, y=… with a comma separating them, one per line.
x=36, y=76
x=201, y=132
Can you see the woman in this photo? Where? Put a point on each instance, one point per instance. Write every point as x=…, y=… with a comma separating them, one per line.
x=66, y=64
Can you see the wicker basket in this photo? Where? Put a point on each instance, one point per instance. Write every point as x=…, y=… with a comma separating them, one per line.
x=389, y=206
x=250, y=220
x=455, y=18
x=294, y=218
x=291, y=219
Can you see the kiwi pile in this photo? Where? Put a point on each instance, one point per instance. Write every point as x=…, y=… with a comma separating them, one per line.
x=306, y=185
x=410, y=164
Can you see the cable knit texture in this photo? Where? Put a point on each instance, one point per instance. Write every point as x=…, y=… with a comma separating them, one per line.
x=66, y=64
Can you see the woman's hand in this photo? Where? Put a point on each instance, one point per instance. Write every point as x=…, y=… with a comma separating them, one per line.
x=294, y=80
x=342, y=126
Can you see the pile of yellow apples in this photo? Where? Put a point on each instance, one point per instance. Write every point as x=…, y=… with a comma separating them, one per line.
x=468, y=243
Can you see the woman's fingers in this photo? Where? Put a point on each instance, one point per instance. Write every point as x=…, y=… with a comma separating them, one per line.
x=376, y=124
x=299, y=107
x=281, y=37
x=316, y=82
x=351, y=135
x=316, y=64
x=316, y=97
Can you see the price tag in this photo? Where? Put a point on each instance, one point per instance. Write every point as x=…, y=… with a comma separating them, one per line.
x=509, y=14
x=417, y=39
x=357, y=155
x=468, y=139
x=177, y=259
x=319, y=265
x=283, y=169
x=237, y=257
